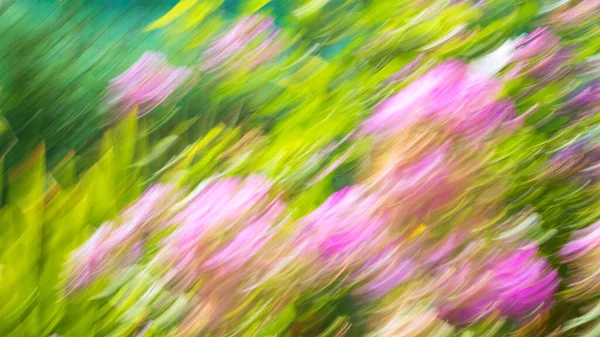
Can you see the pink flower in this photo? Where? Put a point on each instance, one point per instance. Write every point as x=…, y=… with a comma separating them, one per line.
x=238, y=43
x=140, y=217
x=388, y=274
x=525, y=283
x=539, y=55
x=484, y=120
x=536, y=43
x=582, y=242
x=247, y=242
x=577, y=14
x=552, y=66
x=346, y=227
x=512, y=285
x=147, y=83
x=443, y=249
x=584, y=101
x=111, y=244
x=581, y=253
x=569, y=161
x=421, y=184
x=91, y=259
x=423, y=176
x=416, y=101
x=450, y=94
x=223, y=228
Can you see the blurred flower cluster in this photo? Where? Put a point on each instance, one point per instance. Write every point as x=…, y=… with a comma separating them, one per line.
x=300, y=168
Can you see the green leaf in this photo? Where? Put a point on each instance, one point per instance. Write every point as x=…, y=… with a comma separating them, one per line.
x=158, y=150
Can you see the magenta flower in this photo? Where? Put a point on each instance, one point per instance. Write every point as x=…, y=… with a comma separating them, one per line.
x=146, y=84
x=142, y=216
x=91, y=259
x=422, y=184
x=413, y=103
x=151, y=204
x=476, y=296
x=239, y=42
x=577, y=159
x=525, y=283
x=404, y=261
x=246, y=243
x=540, y=55
x=346, y=227
x=582, y=242
x=221, y=203
x=512, y=286
x=422, y=177
x=581, y=253
x=385, y=272
x=536, y=43
x=443, y=249
x=553, y=65
x=111, y=244
x=585, y=100
x=569, y=160
x=483, y=120
x=450, y=94
x=222, y=228
x=578, y=14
